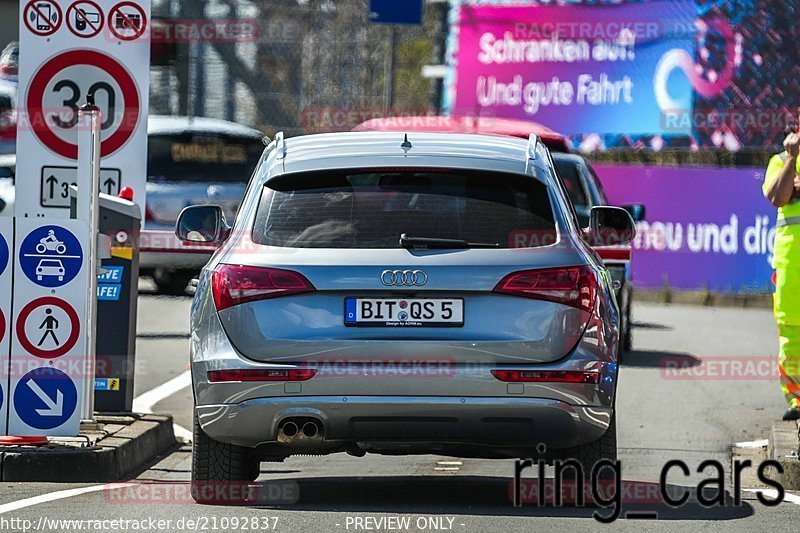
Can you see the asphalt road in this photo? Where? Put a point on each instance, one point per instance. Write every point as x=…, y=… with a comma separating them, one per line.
x=682, y=396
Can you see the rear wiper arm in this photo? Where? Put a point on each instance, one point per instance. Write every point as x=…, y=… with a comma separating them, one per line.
x=434, y=243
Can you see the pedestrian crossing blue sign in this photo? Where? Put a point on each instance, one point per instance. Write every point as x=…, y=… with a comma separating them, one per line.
x=45, y=398
x=50, y=256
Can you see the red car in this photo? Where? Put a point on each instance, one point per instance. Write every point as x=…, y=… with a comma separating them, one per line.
x=554, y=141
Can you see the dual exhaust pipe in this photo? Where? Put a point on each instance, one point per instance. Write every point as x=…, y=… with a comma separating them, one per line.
x=300, y=431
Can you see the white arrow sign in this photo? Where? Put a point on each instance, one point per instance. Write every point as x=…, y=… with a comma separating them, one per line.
x=53, y=408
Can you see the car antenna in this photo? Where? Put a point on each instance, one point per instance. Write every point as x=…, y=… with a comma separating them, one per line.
x=406, y=146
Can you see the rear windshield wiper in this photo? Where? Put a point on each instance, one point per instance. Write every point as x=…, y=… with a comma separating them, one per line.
x=431, y=243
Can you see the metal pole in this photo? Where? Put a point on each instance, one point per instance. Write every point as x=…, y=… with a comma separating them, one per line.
x=441, y=30
x=88, y=209
x=390, y=60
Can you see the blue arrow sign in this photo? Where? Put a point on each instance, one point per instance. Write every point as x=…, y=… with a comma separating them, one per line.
x=50, y=256
x=3, y=254
x=45, y=398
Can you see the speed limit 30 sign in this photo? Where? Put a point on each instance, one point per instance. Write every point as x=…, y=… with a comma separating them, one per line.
x=58, y=69
x=63, y=82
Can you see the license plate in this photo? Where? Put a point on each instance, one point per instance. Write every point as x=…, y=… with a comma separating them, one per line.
x=404, y=312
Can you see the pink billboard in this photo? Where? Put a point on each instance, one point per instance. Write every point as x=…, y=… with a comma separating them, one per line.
x=578, y=68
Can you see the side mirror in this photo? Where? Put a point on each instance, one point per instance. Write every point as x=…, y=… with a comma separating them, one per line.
x=202, y=224
x=637, y=211
x=610, y=226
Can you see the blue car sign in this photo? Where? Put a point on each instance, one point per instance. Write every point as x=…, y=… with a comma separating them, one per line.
x=51, y=256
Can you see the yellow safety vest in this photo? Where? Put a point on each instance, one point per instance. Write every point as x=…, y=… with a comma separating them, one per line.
x=787, y=235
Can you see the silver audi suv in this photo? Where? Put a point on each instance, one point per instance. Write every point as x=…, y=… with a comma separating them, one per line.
x=402, y=294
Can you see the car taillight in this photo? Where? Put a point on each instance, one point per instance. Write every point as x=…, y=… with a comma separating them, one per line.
x=236, y=284
x=252, y=374
x=573, y=286
x=547, y=376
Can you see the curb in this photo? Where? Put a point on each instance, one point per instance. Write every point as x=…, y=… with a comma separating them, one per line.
x=124, y=452
x=784, y=445
x=704, y=299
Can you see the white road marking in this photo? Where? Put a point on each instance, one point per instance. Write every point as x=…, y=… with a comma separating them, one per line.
x=769, y=493
x=58, y=495
x=449, y=463
x=141, y=404
x=145, y=402
x=760, y=443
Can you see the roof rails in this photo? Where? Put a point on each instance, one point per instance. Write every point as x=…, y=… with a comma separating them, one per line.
x=280, y=146
x=533, y=140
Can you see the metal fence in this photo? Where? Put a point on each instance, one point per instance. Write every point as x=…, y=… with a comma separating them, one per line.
x=292, y=65
x=320, y=65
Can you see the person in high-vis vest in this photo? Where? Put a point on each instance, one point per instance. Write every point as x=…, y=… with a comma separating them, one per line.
x=782, y=189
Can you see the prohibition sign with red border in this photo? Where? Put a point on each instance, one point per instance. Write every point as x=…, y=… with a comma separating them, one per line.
x=34, y=101
x=41, y=302
x=95, y=26
x=138, y=31
x=53, y=27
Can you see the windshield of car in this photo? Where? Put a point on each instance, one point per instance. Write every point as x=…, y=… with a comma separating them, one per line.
x=372, y=209
x=571, y=176
x=201, y=157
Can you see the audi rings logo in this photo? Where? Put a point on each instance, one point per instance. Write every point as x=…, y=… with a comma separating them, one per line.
x=409, y=278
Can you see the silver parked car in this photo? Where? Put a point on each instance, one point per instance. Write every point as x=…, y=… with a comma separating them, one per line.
x=371, y=298
x=191, y=161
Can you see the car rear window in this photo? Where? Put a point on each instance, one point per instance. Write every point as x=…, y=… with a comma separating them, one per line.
x=371, y=209
x=202, y=157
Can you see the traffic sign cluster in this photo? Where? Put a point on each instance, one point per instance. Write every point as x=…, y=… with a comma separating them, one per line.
x=49, y=342
x=85, y=19
x=47, y=260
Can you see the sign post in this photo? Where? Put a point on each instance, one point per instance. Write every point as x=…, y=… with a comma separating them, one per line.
x=99, y=56
x=88, y=208
x=49, y=349
x=6, y=268
x=101, y=49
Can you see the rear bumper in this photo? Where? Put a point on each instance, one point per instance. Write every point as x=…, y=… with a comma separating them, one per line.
x=493, y=422
x=396, y=408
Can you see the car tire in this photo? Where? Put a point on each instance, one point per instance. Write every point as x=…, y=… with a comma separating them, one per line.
x=625, y=343
x=627, y=338
x=221, y=473
x=604, y=448
x=172, y=282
